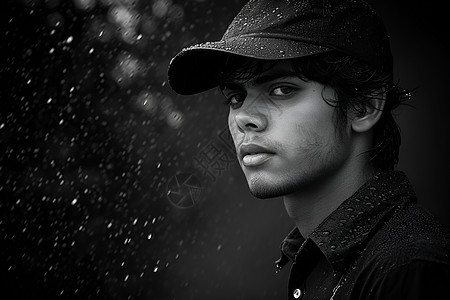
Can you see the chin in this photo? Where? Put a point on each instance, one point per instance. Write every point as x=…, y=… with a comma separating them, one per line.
x=266, y=188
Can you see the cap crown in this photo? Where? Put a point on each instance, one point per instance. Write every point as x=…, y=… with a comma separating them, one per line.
x=284, y=29
x=349, y=26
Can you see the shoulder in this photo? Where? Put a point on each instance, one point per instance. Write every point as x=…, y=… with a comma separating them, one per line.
x=417, y=279
x=407, y=255
x=411, y=234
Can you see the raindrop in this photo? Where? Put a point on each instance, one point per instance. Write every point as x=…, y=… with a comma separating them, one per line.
x=161, y=7
x=175, y=119
x=85, y=4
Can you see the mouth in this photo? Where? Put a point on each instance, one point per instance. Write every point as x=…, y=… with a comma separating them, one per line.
x=253, y=155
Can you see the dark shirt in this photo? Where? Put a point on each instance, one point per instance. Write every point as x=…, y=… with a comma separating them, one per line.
x=378, y=244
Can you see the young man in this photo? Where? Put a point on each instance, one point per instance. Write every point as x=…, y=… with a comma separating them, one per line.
x=310, y=88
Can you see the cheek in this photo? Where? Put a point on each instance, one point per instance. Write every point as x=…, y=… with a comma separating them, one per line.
x=317, y=116
x=308, y=131
x=232, y=127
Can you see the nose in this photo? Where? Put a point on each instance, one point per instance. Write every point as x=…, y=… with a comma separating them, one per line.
x=247, y=120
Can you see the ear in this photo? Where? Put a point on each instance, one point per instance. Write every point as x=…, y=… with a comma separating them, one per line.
x=374, y=109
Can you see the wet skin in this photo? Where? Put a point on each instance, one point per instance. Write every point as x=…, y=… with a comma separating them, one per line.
x=284, y=132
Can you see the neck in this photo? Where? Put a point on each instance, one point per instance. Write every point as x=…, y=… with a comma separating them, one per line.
x=309, y=206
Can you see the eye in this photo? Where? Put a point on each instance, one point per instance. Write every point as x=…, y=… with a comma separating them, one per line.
x=235, y=100
x=282, y=91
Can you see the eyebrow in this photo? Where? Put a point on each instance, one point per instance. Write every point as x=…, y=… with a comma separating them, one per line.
x=259, y=80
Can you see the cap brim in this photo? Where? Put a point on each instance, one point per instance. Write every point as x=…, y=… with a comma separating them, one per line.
x=195, y=69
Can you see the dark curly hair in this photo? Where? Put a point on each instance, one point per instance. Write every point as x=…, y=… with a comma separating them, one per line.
x=355, y=83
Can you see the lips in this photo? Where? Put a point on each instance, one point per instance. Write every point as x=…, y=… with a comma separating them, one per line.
x=254, y=155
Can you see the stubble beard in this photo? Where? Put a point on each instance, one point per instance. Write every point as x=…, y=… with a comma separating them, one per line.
x=312, y=168
x=262, y=189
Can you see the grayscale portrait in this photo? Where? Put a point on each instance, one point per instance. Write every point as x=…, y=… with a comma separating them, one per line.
x=207, y=149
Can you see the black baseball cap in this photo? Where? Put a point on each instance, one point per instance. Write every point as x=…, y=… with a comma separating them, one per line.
x=285, y=29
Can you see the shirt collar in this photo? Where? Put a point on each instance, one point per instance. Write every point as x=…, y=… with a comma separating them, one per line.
x=346, y=230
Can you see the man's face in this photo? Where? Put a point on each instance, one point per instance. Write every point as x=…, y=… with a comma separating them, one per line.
x=284, y=132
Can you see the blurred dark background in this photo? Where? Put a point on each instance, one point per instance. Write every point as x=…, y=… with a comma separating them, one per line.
x=114, y=187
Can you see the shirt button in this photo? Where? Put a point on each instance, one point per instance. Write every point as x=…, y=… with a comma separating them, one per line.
x=297, y=293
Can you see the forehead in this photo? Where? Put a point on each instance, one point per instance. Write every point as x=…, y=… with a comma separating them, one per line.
x=259, y=72
x=280, y=68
